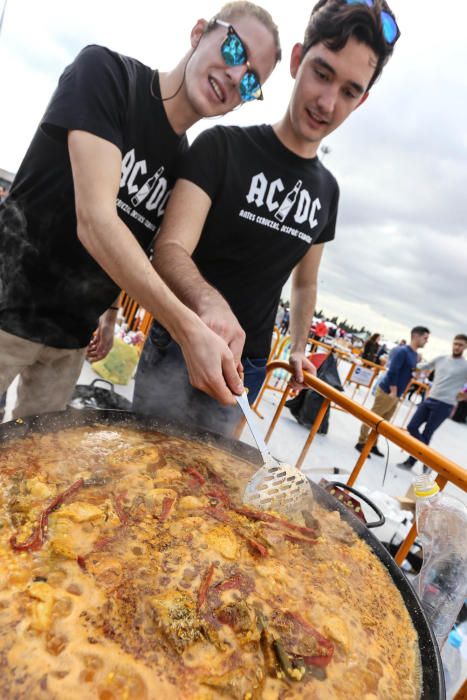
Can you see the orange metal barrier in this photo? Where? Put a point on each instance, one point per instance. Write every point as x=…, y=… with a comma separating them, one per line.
x=419, y=388
x=136, y=318
x=280, y=350
x=448, y=471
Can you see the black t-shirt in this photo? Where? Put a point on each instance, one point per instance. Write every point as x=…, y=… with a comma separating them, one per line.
x=51, y=290
x=268, y=207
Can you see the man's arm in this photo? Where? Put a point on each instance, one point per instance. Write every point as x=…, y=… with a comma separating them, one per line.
x=102, y=341
x=393, y=371
x=302, y=308
x=96, y=166
x=180, y=232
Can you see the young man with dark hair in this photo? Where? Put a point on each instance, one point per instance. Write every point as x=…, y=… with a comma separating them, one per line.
x=254, y=204
x=450, y=377
x=89, y=196
x=394, y=382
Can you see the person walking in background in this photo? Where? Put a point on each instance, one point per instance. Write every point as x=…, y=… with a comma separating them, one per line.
x=89, y=196
x=371, y=347
x=280, y=314
x=254, y=205
x=450, y=377
x=393, y=385
x=285, y=321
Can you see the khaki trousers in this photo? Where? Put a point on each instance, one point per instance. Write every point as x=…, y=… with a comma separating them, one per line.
x=384, y=405
x=47, y=376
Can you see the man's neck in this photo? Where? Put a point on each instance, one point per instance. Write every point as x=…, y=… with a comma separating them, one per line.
x=414, y=347
x=287, y=136
x=179, y=111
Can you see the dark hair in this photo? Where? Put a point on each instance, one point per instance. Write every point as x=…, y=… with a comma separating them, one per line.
x=419, y=330
x=461, y=336
x=231, y=10
x=334, y=22
x=372, y=339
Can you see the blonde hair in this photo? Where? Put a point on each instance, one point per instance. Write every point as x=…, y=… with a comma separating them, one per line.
x=239, y=8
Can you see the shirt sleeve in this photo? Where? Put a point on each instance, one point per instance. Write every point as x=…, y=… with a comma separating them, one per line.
x=329, y=231
x=428, y=365
x=397, y=362
x=92, y=95
x=203, y=163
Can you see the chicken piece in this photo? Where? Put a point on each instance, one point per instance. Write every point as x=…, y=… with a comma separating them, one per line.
x=223, y=541
x=42, y=607
x=167, y=475
x=192, y=502
x=336, y=629
x=38, y=489
x=154, y=499
x=81, y=512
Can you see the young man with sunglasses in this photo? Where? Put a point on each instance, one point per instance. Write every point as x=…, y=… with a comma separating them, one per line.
x=253, y=205
x=88, y=199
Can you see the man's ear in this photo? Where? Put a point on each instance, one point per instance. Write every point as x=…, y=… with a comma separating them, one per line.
x=295, y=59
x=197, y=32
x=364, y=99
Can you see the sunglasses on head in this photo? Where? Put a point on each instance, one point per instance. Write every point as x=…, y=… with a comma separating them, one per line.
x=388, y=23
x=234, y=54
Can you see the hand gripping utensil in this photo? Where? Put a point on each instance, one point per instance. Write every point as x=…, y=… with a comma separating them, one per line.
x=276, y=485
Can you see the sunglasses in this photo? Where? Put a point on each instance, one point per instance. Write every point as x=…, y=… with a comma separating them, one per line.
x=388, y=23
x=234, y=54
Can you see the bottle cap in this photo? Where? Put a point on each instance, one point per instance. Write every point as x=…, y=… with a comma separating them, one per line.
x=425, y=486
x=454, y=638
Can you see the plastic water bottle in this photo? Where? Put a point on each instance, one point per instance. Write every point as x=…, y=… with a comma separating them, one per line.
x=452, y=662
x=442, y=582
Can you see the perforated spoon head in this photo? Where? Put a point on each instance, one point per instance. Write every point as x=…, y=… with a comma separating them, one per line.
x=278, y=487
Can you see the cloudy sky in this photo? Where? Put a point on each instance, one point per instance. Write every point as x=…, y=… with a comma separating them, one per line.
x=400, y=255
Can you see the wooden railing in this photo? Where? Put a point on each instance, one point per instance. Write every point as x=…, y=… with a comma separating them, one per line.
x=448, y=471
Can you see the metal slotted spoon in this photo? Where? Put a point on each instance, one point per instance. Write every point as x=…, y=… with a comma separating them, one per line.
x=276, y=485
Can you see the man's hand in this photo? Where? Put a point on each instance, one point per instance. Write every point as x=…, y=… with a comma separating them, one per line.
x=211, y=365
x=102, y=340
x=218, y=316
x=393, y=392
x=300, y=363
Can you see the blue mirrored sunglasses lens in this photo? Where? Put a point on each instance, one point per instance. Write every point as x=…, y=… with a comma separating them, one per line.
x=249, y=87
x=233, y=51
x=389, y=27
x=360, y=2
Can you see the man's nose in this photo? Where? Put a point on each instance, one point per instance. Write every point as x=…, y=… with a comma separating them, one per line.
x=236, y=73
x=327, y=100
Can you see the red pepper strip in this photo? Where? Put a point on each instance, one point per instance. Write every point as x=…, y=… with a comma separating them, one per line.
x=301, y=540
x=36, y=540
x=326, y=645
x=257, y=547
x=268, y=518
x=218, y=514
x=205, y=583
x=219, y=495
x=240, y=581
x=321, y=661
x=224, y=518
x=81, y=561
x=194, y=472
x=122, y=515
x=228, y=583
x=167, y=504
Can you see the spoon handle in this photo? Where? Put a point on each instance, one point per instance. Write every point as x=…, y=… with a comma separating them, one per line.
x=242, y=401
